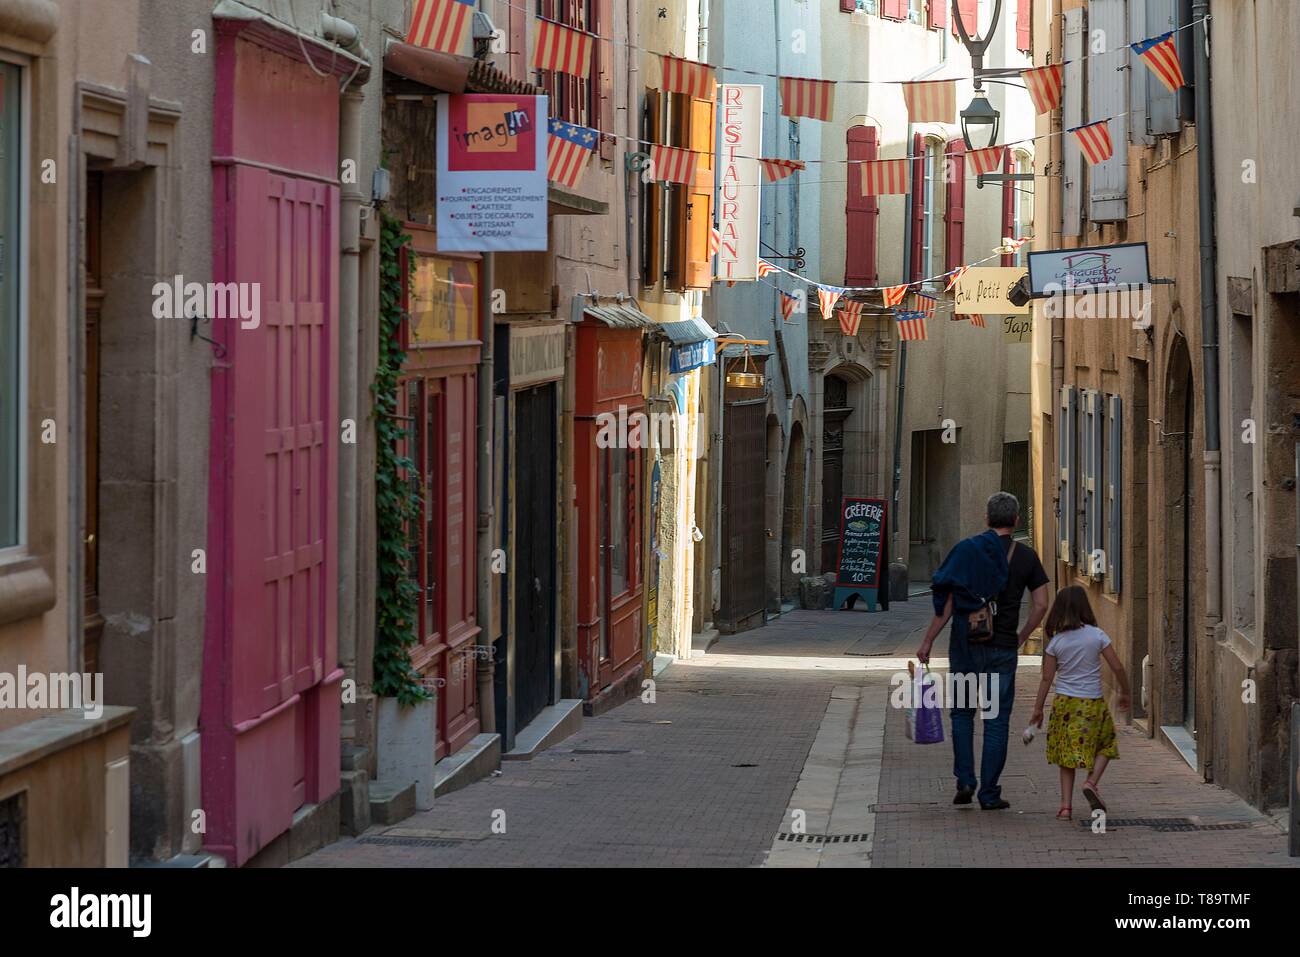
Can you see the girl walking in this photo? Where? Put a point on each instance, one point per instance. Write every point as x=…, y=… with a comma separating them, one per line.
x=1080, y=733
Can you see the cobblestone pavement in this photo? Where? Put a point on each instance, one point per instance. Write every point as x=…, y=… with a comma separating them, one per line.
x=792, y=718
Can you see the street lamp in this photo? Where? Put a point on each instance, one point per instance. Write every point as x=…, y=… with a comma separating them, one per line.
x=979, y=123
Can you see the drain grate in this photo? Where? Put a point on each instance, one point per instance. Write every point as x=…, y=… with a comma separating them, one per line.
x=1170, y=824
x=413, y=841
x=600, y=751
x=822, y=838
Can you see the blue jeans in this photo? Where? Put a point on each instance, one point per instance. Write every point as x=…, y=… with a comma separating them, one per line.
x=1000, y=663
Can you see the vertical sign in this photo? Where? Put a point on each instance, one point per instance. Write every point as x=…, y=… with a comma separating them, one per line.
x=491, y=151
x=741, y=118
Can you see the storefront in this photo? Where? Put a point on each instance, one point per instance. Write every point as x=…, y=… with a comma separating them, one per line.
x=437, y=401
x=610, y=434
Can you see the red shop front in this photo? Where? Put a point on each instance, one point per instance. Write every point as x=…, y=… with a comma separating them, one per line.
x=608, y=464
x=437, y=402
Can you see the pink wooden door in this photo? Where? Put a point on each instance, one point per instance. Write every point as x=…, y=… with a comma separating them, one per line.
x=271, y=676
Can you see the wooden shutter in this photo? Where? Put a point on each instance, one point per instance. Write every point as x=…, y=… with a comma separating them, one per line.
x=603, y=67
x=699, y=204
x=954, y=239
x=679, y=126
x=861, y=213
x=1114, y=487
x=938, y=13
x=1162, y=115
x=969, y=11
x=1024, y=26
x=1107, y=97
x=652, y=232
x=848, y=6
x=1072, y=116
x=1066, y=468
x=894, y=9
x=1009, y=199
x=918, y=205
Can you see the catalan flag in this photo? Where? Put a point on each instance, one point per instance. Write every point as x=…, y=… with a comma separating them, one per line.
x=882, y=177
x=788, y=305
x=977, y=319
x=851, y=317
x=673, y=165
x=1161, y=55
x=567, y=151
x=775, y=170
x=931, y=101
x=765, y=268
x=812, y=98
x=715, y=241
x=893, y=295
x=827, y=296
x=687, y=76
x=987, y=160
x=441, y=25
x=1044, y=85
x=911, y=326
x=1094, y=140
x=926, y=305
x=956, y=275
x=562, y=49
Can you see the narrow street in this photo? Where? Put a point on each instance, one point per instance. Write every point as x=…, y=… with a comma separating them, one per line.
x=795, y=717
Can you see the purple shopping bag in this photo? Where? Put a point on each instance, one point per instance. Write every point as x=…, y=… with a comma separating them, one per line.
x=926, y=720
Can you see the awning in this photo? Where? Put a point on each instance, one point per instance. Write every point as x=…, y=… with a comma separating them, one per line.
x=693, y=343
x=448, y=73
x=615, y=313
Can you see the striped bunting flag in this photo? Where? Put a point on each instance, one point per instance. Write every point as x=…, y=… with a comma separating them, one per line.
x=562, y=49
x=827, y=296
x=1161, y=55
x=926, y=305
x=715, y=241
x=788, y=304
x=687, y=76
x=1094, y=140
x=956, y=275
x=977, y=319
x=441, y=25
x=567, y=151
x=881, y=177
x=765, y=268
x=673, y=165
x=1044, y=85
x=812, y=98
x=911, y=326
x=775, y=170
x=931, y=101
x=893, y=295
x=986, y=161
x=851, y=317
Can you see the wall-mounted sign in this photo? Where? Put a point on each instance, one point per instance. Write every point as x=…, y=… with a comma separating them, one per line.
x=491, y=151
x=740, y=116
x=692, y=355
x=536, y=354
x=984, y=291
x=1017, y=328
x=1088, y=268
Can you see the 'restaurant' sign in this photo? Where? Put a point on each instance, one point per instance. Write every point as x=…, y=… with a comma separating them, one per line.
x=984, y=291
x=491, y=151
x=741, y=119
x=1088, y=268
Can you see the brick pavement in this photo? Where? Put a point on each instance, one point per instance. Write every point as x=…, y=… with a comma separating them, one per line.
x=793, y=716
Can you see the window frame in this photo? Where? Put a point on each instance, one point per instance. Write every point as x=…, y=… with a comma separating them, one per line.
x=19, y=549
x=933, y=194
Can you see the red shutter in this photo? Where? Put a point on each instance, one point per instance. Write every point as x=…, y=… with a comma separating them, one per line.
x=1024, y=31
x=1009, y=197
x=604, y=67
x=954, y=245
x=938, y=13
x=894, y=9
x=970, y=17
x=848, y=6
x=918, y=205
x=860, y=212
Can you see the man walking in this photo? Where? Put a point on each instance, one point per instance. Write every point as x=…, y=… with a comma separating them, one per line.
x=953, y=585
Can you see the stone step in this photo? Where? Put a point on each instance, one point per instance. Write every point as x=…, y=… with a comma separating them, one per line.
x=391, y=803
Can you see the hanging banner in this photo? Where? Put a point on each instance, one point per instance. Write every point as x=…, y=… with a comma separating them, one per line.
x=983, y=290
x=741, y=119
x=491, y=157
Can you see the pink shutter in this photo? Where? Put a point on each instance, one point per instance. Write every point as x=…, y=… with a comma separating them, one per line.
x=1009, y=206
x=969, y=11
x=918, y=206
x=938, y=13
x=955, y=203
x=860, y=212
x=894, y=9
x=848, y=6
x=1024, y=29
x=604, y=68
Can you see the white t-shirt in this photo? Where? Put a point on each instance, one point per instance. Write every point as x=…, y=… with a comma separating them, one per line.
x=1078, y=661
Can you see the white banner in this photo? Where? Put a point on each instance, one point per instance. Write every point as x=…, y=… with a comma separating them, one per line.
x=741, y=120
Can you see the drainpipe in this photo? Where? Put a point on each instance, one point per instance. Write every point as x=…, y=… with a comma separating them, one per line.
x=1056, y=317
x=486, y=669
x=350, y=201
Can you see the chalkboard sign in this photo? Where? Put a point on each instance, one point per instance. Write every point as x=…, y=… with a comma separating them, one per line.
x=862, y=561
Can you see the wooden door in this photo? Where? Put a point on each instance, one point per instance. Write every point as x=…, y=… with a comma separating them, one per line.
x=92, y=620
x=743, y=489
x=534, y=657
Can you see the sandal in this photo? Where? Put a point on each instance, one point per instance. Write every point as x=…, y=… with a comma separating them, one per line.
x=1065, y=813
x=1094, y=796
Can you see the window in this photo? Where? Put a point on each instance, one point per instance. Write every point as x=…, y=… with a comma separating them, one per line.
x=1114, y=491
x=619, y=527
x=931, y=240
x=573, y=98
x=444, y=307
x=1066, y=465
x=1092, y=554
x=677, y=218
x=12, y=343
x=1023, y=205
x=915, y=13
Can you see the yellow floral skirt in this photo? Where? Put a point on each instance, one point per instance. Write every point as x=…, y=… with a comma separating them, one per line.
x=1079, y=730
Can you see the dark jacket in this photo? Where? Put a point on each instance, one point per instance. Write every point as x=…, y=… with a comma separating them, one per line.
x=974, y=573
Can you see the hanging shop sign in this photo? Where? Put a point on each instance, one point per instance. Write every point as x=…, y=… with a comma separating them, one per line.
x=691, y=356
x=491, y=158
x=986, y=290
x=1088, y=268
x=741, y=120
x=536, y=354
